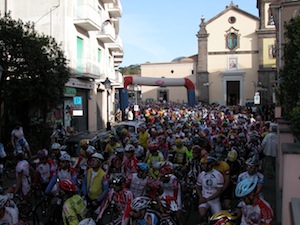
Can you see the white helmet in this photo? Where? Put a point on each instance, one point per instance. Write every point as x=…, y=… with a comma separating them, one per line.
x=90, y=149
x=87, y=221
x=65, y=157
x=129, y=148
x=140, y=203
x=98, y=156
x=3, y=200
x=55, y=146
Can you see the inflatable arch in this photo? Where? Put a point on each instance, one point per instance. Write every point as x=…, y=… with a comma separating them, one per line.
x=162, y=82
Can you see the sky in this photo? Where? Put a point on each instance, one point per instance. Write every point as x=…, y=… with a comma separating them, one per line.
x=162, y=30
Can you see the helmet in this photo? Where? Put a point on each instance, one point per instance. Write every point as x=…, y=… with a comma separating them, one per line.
x=254, y=136
x=84, y=142
x=65, y=157
x=169, y=203
x=119, y=179
x=143, y=166
x=87, y=221
x=253, y=161
x=153, y=146
x=55, y=146
x=208, y=159
x=120, y=150
x=129, y=148
x=232, y=137
x=178, y=141
x=134, y=141
x=245, y=187
x=3, y=200
x=140, y=203
x=43, y=153
x=67, y=185
x=90, y=149
x=19, y=150
x=98, y=156
x=165, y=169
x=242, y=135
x=232, y=155
x=222, y=217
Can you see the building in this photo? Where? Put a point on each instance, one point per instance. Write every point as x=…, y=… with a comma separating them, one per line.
x=88, y=31
x=235, y=60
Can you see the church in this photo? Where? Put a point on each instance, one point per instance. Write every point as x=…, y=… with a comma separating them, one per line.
x=235, y=61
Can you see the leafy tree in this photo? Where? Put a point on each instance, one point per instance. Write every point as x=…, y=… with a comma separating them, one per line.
x=131, y=70
x=35, y=72
x=289, y=87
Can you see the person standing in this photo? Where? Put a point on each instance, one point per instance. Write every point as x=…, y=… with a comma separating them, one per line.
x=18, y=138
x=269, y=147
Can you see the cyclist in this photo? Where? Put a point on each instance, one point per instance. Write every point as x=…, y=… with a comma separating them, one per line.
x=64, y=171
x=139, y=151
x=74, y=209
x=168, y=211
x=45, y=169
x=18, y=139
x=252, y=172
x=153, y=157
x=23, y=181
x=121, y=197
x=84, y=144
x=209, y=187
x=180, y=152
x=95, y=185
x=8, y=215
x=116, y=162
x=130, y=160
x=56, y=153
x=139, y=207
x=144, y=136
x=111, y=146
x=140, y=183
x=252, y=209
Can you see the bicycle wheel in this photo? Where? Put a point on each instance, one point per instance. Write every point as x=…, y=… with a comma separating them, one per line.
x=41, y=213
x=187, y=207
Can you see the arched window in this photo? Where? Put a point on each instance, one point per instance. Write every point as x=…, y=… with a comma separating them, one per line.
x=231, y=41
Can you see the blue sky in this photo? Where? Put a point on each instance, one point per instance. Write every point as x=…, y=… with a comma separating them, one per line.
x=162, y=30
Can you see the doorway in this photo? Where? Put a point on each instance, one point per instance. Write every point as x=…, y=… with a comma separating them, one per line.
x=163, y=95
x=233, y=93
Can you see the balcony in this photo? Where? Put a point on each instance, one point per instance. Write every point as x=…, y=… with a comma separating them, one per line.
x=87, y=18
x=107, y=33
x=116, y=46
x=87, y=68
x=114, y=9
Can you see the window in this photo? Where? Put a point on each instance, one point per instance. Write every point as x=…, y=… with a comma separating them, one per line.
x=231, y=41
x=232, y=19
x=79, y=65
x=99, y=55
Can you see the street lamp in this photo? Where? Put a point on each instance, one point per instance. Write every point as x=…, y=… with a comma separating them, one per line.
x=107, y=85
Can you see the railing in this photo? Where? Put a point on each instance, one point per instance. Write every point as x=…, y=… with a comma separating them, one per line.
x=87, y=12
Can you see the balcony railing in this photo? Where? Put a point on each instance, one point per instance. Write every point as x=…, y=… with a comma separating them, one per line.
x=86, y=17
x=89, y=69
x=115, y=9
x=116, y=46
x=107, y=33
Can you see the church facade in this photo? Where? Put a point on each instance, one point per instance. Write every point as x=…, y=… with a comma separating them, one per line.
x=235, y=60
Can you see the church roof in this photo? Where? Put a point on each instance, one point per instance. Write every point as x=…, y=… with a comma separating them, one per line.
x=232, y=7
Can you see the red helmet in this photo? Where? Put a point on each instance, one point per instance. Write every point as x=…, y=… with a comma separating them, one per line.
x=165, y=169
x=153, y=146
x=169, y=203
x=67, y=185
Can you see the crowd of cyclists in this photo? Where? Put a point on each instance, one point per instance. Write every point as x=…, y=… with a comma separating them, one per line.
x=204, y=161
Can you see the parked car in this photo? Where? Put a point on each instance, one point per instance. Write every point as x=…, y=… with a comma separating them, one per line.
x=98, y=139
x=131, y=126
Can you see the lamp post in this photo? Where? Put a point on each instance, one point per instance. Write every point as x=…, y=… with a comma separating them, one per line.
x=107, y=85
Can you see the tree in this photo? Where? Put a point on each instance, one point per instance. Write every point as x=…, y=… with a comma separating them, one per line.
x=35, y=72
x=289, y=86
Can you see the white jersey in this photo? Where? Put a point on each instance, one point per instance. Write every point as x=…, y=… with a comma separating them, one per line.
x=45, y=171
x=210, y=182
x=23, y=166
x=10, y=216
x=170, y=187
x=138, y=185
